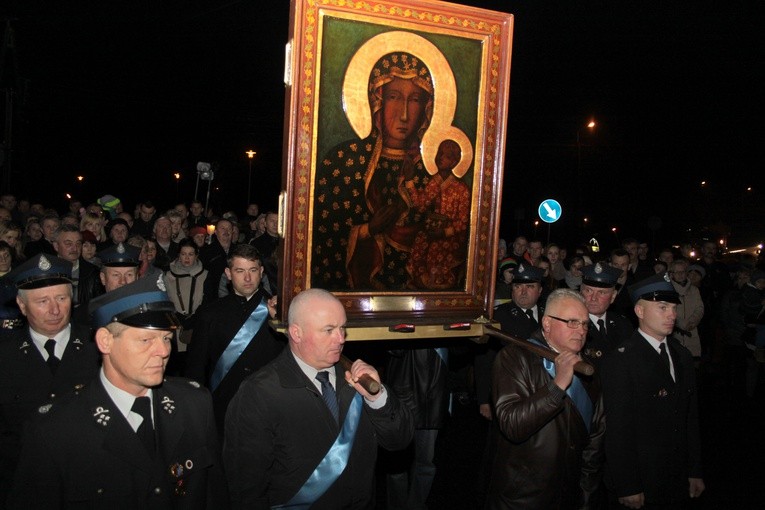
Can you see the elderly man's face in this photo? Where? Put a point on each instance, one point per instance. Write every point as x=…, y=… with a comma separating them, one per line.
x=224, y=231
x=557, y=331
x=318, y=338
x=597, y=299
x=68, y=246
x=47, y=309
x=535, y=249
x=116, y=277
x=135, y=359
x=163, y=230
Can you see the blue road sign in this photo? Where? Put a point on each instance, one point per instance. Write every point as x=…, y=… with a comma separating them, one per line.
x=550, y=211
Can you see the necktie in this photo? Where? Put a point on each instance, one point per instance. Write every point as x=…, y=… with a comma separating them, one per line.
x=53, y=361
x=142, y=406
x=328, y=394
x=602, y=327
x=664, y=355
x=530, y=313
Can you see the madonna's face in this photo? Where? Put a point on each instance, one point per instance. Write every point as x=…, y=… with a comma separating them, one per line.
x=402, y=111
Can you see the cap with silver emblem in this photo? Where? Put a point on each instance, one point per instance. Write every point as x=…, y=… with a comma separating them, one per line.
x=141, y=304
x=654, y=288
x=600, y=275
x=42, y=270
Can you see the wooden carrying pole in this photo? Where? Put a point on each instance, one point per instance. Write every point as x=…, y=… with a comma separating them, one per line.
x=369, y=384
x=581, y=367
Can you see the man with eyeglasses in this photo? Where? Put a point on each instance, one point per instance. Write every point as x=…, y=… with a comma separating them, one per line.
x=549, y=421
x=649, y=388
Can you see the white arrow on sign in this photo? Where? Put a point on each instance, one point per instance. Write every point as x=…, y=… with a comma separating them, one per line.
x=550, y=211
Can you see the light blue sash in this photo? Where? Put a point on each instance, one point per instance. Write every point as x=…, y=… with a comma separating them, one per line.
x=238, y=344
x=332, y=465
x=575, y=391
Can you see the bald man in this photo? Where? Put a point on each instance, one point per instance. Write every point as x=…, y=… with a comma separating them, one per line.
x=302, y=431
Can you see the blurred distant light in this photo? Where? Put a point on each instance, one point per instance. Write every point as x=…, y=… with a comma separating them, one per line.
x=749, y=188
x=80, y=178
x=722, y=242
x=68, y=196
x=693, y=253
x=586, y=220
x=613, y=229
x=591, y=124
x=703, y=183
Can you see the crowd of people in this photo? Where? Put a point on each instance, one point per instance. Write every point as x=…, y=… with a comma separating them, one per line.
x=139, y=369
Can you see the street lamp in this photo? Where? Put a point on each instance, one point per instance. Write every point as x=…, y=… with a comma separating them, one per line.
x=250, y=154
x=591, y=126
x=177, y=176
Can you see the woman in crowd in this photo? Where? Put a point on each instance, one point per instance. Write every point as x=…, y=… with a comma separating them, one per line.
x=504, y=289
x=10, y=233
x=95, y=224
x=552, y=252
x=574, y=273
x=198, y=234
x=185, y=282
x=90, y=247
x=33, y=231
x=6, y=258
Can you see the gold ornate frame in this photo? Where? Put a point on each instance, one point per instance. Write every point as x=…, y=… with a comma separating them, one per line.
x=332, y=43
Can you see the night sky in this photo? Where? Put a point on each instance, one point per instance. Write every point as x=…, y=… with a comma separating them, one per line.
x=126, y=93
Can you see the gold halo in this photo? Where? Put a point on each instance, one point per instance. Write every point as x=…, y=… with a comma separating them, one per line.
x=433, y=138
x=356, y=98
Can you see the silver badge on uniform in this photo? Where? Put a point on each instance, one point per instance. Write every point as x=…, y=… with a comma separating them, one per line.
x=44, y=263
x=161, y=283
x=120, y=248
x=598, y=268
x=102, y=417
x=168, y=404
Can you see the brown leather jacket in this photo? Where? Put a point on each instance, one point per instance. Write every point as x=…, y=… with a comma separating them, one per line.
x=544, y=456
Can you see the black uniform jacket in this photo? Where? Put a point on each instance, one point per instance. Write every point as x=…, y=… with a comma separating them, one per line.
x=652, y=440
x=278, y=429
x=82, y=453
x=618, y=329
x=26, y=383
x=216, y=325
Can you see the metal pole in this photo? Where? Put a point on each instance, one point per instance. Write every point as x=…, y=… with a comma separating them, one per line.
x=249, y=184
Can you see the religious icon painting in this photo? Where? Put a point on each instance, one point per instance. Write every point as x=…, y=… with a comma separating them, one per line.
x=394, y=150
